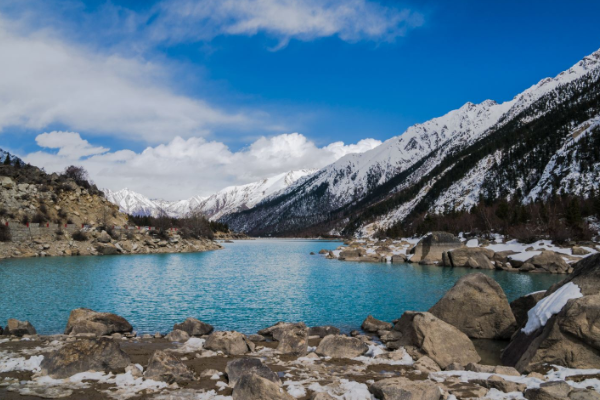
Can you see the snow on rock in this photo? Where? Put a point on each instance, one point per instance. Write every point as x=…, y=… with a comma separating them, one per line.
x=10, y=362
x=549, y=306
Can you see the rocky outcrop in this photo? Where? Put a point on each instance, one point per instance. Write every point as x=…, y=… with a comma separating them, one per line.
x=471, y=257
x=549, y=261
x=85, y=355
x=566, y=327
x=254, y=387
x=168, y=368
x=322, y=331
x=371, y=324
x=229, y=343
x=478, y=307
x=431, y=248
x=84, y=320
x=521, y=306
x=19, y=328
x=177, y=335
x=237, y=368
x=404, y=388
x=194, y=327
x=292, y=337
x=435, y=338
x=340, y=346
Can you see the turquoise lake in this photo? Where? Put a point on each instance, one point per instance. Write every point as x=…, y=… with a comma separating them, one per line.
x=247, y=286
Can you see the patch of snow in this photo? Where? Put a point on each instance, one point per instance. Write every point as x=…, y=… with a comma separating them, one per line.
x=548, y=306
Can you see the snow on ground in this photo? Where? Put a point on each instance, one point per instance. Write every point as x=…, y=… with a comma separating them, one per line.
x=549, y=306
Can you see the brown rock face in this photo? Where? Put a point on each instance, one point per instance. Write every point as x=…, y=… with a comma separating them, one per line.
x=84, y=355
x=254, y=387
x=442, y=342
x=571, y=338
x=18, y=328
x=371, y=324
x=168, y=368
x=340, y=346
x=84, y=320
x=460, y=257
x=430, y=249
x=477, y=306
x=549, y=261
x=521, y=306
x=404, y=388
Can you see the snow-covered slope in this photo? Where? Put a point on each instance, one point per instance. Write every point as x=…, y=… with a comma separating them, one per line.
x=228, y=200
x=402, y=161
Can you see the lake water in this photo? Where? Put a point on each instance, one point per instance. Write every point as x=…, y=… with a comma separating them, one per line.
x=247, y=286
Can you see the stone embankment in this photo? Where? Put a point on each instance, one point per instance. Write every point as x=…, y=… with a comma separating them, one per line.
x=446, y=250
x=432, y=355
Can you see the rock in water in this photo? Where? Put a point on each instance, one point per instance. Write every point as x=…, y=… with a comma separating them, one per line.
x=371, y=324
x=168, y=368
x=339, y=346
x=322, y=331
x=431, y=248
x=84, y=320
x=460, y=257
x=194, y=327
x=85, y=355
x=230, y=343
x=254, y=387
x=19, y=328
x=521, y=306
x=404, y=388
x=564, y=327
x=442, y=342
x=477, y=306
x=237, y=368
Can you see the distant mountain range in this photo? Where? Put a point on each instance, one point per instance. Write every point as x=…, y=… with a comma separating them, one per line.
x=229, y=200
x=545, y=140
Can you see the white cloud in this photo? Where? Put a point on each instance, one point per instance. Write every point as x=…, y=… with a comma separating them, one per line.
x=350, y=20
x=46, y=81
x=187, y=167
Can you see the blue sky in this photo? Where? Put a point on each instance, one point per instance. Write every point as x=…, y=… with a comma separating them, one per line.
x=234, y=76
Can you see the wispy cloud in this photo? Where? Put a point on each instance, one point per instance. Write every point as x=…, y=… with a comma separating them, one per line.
x=350, y=20
x=186, y=167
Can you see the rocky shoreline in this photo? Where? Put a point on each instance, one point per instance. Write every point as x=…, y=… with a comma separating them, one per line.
x=446, y=250
x=551, y=353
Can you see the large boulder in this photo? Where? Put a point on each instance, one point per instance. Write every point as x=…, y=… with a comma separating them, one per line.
x=521, y=306
x=84, y=320
x=292, y=337
x=460, y=257
x=84, y=355
x=564, y=327
x=371, y=324
x=477, y=306
x=106, y=249
x=322, y=331
x=275, y=331
x=549, y=261
x=168, y=368
x=194, y=327
x=254, y=387
x=19, y=328
x=237, y=368
x=405, y=389
x=177, y=335
x=442, y=342
x=229, y=343
x=340, y=346
x=431, y=248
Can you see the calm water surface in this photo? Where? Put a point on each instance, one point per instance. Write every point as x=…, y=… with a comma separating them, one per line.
x=247, y=286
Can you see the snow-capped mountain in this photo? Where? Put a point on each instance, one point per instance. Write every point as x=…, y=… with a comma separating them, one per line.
x=228, y=200
x=456, y=155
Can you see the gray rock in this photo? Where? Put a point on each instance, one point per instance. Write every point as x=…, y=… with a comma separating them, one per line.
x=480, y=257
x=405, y=389
x=230, y=343
x=549, y=261
x=371, y=324
x=276, y=330
x=431, y=248
x=398, y=259
x=584, y=394
x=254, y=387
x=104, y=237
x=168, y=368
x=256, y=338
x=194, y=327
x=237, y=368
x=177, y=335
x=426, y=364
x=555, y=390
x=323, y=331
x=339, y=346
x=19, y=328
x=84, y=320
x=437, y=339
x=501, y=384
x=85, y=355
x=107, y=249
x=521, y=306
x=477, y=306
x=293, y=341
